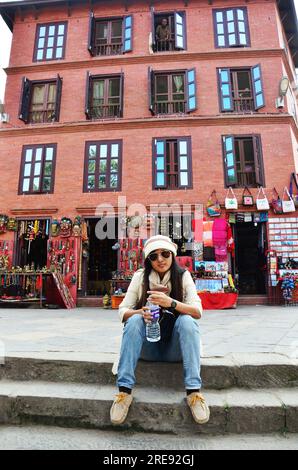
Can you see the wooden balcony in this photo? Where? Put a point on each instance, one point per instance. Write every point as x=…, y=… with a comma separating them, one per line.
x=38, y=117
x=105, y=111
x=108, y=49
x=244, y=105
x=169, y=107
x=162, y=45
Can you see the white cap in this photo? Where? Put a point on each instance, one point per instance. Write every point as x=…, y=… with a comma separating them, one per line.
x=158, y=242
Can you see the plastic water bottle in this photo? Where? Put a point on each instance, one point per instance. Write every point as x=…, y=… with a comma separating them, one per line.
x=153, y=328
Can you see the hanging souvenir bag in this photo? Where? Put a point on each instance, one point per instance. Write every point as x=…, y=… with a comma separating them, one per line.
x=287, y=206
x=294, y=181
x=3, y=223
x=276, y=202
x=262, y=201
x=247, y=197
x=231, y=201
x=213, y=206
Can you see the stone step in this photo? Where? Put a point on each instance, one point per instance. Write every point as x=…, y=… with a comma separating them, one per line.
x=252, y=300
x=219, y=373
x=92, y=301
x=153, y=410
x=55, y=438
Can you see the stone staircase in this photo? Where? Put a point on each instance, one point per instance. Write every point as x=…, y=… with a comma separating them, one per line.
x=260, y=398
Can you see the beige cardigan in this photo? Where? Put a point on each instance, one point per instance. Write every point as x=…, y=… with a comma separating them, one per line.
x=134, y=293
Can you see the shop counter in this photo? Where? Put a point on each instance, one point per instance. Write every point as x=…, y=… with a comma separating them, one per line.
x=218, y=301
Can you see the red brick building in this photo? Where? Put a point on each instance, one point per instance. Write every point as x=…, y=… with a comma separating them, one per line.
x=161, y=102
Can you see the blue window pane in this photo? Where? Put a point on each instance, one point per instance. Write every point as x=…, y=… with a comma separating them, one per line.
x=241, y=27
x=50, y=42
x=258, y=86
x=240, y=14
x=40, y=43
x=51, y=30
x=160, y=163
x=232, y=39
x=256, y=73
x=224, y=76
x=220, y=28
x=127, y=44
x=191, y=76
x=49, y=53
x=231, y=28
x=230, y=159
x=60, y=41
x=229, y=144
x=183, y=163
x=184, y=178
x=160, y=179
x=179, y=18
x=58, y=52
x=260, y=101
x=160, y=147
x=128, y=21
x=225, y=89
x=183, y=147
x=192, y=103
x=191, y=89
x=39, y=54
x=231, y=175
x=226, y=103
x=243, y=39
x=230, y=15
x=219, y=17
x=127, y=33
x=61, y=29
x=221, y=41
x=42, y=31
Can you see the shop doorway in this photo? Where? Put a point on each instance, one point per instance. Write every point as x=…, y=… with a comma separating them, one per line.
x=102, y=260
x=250, y=259
x=31, y=243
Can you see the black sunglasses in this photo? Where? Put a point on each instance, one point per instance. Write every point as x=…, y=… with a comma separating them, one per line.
x=164, y=254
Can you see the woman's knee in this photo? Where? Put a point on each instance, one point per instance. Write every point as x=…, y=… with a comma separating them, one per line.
x=188, y=325
x=135, y=323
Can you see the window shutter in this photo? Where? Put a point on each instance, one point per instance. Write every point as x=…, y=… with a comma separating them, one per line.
x=88, y=95
x=159, y=163
x=191, y=90
x=258, y=87
x=184, y=163
x=258, y=160
x=151, y=89
x=152, y=26
x=180, y=30
x=58, y=97
x=225, y=90
x=25, y=99
x=127, y=34
x=91, y=34
x=229, y=160
x=121, y=93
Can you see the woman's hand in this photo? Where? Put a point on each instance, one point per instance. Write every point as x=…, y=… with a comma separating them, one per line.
x=147, y=315
x=159, y=298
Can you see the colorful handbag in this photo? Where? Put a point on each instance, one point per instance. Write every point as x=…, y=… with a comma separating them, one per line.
x=247, y=197
x=230, y=200
x=213, y=206
x=294, y=196
x=287, y=206
x=262, y=202
x=276, y=202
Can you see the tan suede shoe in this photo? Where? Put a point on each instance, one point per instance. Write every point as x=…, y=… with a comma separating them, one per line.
x=198, y=407
x=120, y=408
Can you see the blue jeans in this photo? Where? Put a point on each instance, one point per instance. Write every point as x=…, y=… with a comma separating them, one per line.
x=184, y=346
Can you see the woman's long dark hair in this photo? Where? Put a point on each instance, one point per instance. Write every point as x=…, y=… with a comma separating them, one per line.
x=176, y=282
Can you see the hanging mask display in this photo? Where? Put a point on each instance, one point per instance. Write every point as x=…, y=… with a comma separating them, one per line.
x=55, y=228
x=3, y=223
x=12, y=225
x=65, y=227
x=76, y=229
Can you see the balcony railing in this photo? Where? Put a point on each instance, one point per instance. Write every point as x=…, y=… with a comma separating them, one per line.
x=162, y=45
x=42, y=116
x=108, y=49
x=244, y=105
x=169, y=107
x=105, y=111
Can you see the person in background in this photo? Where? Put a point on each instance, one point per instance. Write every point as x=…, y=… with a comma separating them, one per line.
x=163, y=32
x=182, y=343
